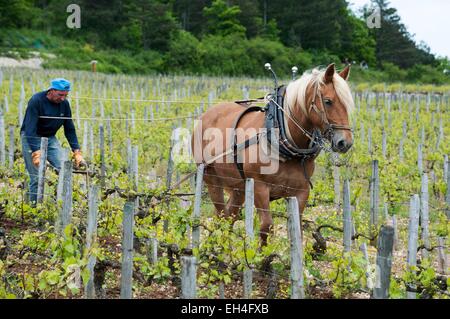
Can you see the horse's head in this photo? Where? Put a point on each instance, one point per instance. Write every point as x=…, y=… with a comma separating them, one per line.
x=329, y=105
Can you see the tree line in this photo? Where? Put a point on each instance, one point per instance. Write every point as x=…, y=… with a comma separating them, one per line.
x=181, y=31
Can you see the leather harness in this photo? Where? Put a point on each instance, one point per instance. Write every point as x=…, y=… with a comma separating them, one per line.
x=274, y=121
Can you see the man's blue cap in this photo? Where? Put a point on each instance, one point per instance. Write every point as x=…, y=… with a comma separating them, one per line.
x=60, y=84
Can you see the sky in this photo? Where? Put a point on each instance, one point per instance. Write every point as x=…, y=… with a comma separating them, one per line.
x=427, y=20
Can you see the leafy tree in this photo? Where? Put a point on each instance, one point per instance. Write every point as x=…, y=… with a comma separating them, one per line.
x=357, y=44
x=131, y=24
x=156, y=22
x=223, y=19
x=190, y=14
x=271, y=31
x=393, y=42
x=183, y=53
x=309, y=24
x=103, y=23
x=17, y=13
x=250, y=16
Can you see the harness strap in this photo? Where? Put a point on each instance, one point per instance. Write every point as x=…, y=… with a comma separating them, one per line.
x=243, y=146
x=239, y=147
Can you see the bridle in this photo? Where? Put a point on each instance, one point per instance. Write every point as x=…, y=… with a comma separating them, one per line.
x=329, y=127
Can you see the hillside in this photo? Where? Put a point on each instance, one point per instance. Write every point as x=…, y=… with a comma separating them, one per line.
x=231, y=38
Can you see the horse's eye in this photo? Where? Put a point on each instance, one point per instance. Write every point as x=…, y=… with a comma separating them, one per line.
x=328, y=102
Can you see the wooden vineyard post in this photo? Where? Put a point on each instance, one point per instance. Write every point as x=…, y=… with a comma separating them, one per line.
x=126, y=289
x=296, y=249
x=85, y=138
x=170, y=165
x=249, y=204
x=221, y=290
x=41, y=170
x=109, y=132
x=374, y=199
x=424, y=215
x=413, y=234
x=134, y=167
x=443, y=266
x=188, y=277
x=59, y=189
x=197, y=206
x=347, y=214
x=446, y=165
x=20, y=106
x=447, y=195
x=91, y=142
x=102, y=156
x=6, y=104
x=65, y=215
x=11, y=147
x=91, y=234
x=152, y=251
x=94, y=66
x=2, y=140
x=384, y=263
x=129, y=165
x=169, y=177
x=420, y=159
x=363, y=249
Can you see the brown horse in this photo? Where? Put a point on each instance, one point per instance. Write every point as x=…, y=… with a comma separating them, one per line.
x=320, y=99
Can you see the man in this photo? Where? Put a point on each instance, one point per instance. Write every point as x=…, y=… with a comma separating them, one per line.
x=42, y=120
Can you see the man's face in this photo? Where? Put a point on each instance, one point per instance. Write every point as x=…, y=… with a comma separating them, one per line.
x=57, y=96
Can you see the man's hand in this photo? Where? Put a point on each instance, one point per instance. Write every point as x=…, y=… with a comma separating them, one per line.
x=36, y=158
x=79, y=160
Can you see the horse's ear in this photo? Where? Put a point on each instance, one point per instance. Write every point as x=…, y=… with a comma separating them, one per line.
x=345, y=73
x=329, y=73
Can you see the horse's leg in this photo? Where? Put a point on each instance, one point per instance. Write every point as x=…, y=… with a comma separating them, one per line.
x=234, y=204
x=216, y=194
x=215, y=189
x=262, y=201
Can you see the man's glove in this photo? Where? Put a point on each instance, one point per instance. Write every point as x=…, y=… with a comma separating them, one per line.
x=36, y=157
x=78, y=158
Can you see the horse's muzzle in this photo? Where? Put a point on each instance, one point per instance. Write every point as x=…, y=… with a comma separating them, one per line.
x=340, y=144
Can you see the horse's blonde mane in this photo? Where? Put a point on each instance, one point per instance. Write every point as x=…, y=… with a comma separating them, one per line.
x=296, y=90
